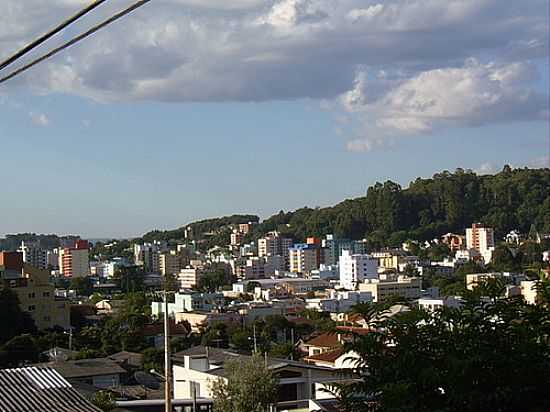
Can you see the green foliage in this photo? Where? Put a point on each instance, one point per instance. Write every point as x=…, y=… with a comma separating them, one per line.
x=250, y=387
x=214, y=279
x=83, y=286
x=19, y=350
x=388, y=214
x=199, y=228
x=153, y=359
x=483, y=357
x=104, y=400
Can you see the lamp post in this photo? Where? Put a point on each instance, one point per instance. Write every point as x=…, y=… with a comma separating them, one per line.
x=167, y=363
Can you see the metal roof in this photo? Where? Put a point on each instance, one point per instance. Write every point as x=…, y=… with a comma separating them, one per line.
x=39, y=390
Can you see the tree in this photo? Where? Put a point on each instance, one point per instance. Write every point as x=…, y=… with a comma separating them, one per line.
x=83, y=286
x=13, y=320
x=152, y=359
x=248, y=386
x=104, y=400
x=482, y=357
x=20, y=350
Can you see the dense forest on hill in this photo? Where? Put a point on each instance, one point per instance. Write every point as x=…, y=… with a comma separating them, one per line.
x=448, y=202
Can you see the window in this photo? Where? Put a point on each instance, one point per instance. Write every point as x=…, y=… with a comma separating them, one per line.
x=32, y=295
x=31, y=308
x=46, y=294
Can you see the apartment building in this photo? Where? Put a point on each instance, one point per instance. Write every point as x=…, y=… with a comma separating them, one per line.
x=482, y=239
x=74, y=261
x=274, y=245
x=355, y=268
x=381, y=290
x=189, y=277
x=34, y=255
x=35, y=293
x=304, y=257
x=147, y=256
x=170, y=263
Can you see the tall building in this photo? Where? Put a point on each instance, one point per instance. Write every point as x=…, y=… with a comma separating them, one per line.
x=480, y=238
x=170, y=263
x=190, y=277
x=35, y=293
x=274, y=245
x=74, y=261
x=237, y=238
x=333, y=248
x=355, y=268
x=304, y=258
x=148, y=257
x=34, y=255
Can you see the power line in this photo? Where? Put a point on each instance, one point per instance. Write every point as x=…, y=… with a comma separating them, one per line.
x=75, y=40
x=50, y=33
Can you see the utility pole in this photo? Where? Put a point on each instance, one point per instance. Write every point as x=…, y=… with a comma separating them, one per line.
x=167, y=363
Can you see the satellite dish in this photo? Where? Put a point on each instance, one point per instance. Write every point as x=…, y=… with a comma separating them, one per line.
x=147, y=380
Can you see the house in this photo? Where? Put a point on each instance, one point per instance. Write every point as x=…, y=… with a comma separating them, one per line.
x=103, y=373
x=39, y=390
x=154, y=332
x=336, y=359
x=197, y=368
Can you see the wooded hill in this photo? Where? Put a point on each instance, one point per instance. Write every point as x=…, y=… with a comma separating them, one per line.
x=428, y=208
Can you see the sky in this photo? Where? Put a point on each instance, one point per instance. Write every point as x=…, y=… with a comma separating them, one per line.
x=189, y=109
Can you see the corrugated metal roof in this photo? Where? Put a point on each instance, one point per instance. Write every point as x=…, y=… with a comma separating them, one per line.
x=39, y=390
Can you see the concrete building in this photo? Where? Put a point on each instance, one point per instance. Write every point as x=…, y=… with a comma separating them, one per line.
x=356, y=268
x=147, y=256
x=170, y=263
x=34, y=255
x=236, y=238
x=189, y=302
x=474, y=279
x=274, y=245
x=480, y=238
x=304, y=257
x=381, y=290
x=433, y=304
x=197, y=368
x=338, y=301
x=190, y=277
x=74, y=261
x=36, y=295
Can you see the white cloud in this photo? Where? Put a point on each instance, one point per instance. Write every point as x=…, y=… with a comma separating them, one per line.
x=39, y=119
x=395, y=63
x=471, y=95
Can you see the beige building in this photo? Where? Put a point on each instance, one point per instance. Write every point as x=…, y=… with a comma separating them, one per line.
x=37, y=298
x=482, y=239
x=74, y=261
x=190, y=277
x=170, y=263
x=304, y=258
x=274, y=245
x=381, y=290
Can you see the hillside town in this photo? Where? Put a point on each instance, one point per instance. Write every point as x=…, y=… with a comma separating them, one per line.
x=92, y=314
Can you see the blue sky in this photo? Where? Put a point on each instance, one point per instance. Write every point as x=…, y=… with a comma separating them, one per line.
x=102, y=149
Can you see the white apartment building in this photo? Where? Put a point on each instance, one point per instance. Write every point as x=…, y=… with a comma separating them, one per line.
x=339, y=301
x=170, y=263
x=356, y=268
x=433, y=304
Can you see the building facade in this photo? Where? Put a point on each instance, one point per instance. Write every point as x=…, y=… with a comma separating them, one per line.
x=354, y=269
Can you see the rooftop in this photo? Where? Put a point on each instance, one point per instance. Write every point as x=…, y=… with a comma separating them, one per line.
x=37, y=390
